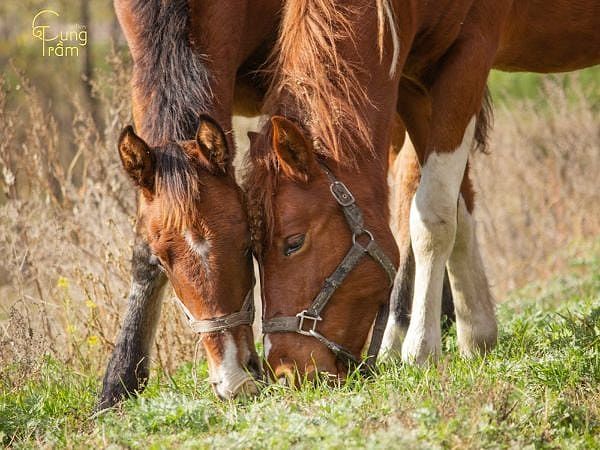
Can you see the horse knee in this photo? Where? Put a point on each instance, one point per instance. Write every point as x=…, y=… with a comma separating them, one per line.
x=432, y=224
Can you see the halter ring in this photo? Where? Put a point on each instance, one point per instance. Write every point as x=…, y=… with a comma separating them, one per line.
x=363, y=231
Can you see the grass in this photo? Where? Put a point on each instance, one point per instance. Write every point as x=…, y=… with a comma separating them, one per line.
x=539, y=389
x=506, y=87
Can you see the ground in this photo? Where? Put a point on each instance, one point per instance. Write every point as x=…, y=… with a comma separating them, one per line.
x=540, y=388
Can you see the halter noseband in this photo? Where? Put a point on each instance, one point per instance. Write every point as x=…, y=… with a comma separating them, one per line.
x=245, y=316
x=305, y=322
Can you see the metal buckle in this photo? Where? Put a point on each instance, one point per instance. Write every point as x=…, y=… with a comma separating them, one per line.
x=341, y=193
x=304, y=315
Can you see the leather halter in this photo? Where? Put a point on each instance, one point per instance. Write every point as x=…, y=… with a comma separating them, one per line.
x=305, y=322
x=245, y=316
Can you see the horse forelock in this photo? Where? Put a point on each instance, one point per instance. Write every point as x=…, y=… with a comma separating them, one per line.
x=178, y=186
x=259, y=185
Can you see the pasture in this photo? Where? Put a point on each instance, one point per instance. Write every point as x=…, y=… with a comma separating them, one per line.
x=539, y=389
x=66, y=215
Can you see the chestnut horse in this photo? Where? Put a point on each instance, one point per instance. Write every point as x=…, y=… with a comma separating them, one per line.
x=442, y=101
x=317, y=189
x=191, y=219
x=333, y=82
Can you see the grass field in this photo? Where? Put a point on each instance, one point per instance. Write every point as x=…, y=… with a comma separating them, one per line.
x=66, y=215
x=540, y=389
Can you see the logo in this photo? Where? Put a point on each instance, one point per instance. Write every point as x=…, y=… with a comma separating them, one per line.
x=57, y=42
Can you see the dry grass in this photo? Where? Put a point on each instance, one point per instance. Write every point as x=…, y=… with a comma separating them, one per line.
x=66, y=232
x=66, y=219
x=539, y=199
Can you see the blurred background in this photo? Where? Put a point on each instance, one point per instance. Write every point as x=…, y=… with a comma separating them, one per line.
x=67, y=209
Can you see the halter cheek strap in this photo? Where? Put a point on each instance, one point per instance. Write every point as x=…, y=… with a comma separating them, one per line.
x=305, y=322
x=245, y=316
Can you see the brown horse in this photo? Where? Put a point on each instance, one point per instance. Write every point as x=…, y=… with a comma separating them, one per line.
x=186, y=57
x=333, y=81
x=317, y=189
x=442, y=102
x=191, y=215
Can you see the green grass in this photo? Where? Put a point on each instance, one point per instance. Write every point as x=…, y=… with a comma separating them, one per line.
x=539, y=389
x=509, y=86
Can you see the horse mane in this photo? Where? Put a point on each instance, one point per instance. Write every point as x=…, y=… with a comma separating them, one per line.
x=323, y=86
x=170, y=73
x=320, y=82
x=178, y=184
x=259, y=184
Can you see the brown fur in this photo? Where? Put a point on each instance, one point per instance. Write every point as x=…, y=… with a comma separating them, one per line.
x=446, y=52
x=452, y=48
x=186, y=57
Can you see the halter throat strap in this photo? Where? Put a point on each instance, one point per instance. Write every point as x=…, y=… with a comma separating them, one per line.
x=305, y=322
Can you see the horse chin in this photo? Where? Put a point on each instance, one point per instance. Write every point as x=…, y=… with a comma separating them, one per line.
x=229, y=377
x=240, y=386
x=286, y=375
x=294, y=359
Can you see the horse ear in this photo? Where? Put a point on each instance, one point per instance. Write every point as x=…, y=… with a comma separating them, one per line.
x=212, y=142
x=137, y=159
x=294, y=152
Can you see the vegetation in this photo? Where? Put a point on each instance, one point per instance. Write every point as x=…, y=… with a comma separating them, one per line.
x=539, y=388
x=66, y=215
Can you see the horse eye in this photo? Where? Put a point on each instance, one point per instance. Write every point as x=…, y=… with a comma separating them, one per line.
x=293, y=243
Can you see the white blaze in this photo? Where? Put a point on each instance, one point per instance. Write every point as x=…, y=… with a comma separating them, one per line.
x=228, y=376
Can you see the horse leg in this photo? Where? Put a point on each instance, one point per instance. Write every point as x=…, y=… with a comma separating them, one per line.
x=475, y=318
x=432, y=231
x=129, y=365
x=404, y=176
x=433, y=215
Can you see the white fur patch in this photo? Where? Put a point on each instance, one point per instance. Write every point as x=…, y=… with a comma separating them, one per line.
x=267, y=345
x=432, y=231
x=393, y=337
x=199, y=247
x=229, y=376
x=475, y=317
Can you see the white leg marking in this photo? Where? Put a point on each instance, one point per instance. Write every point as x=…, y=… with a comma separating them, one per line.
x=229, y=377
x=267, y=345
x=392, y=339
x=432, y=231
x=475, y=318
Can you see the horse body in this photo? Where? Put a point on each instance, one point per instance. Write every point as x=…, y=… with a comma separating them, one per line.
x=191, y=219
x=441, y=92
x=549, y=36
x=437, y=86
